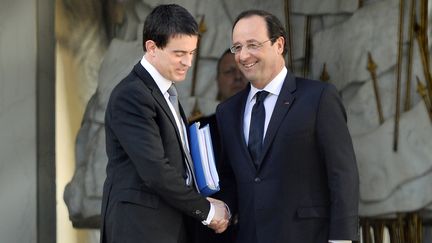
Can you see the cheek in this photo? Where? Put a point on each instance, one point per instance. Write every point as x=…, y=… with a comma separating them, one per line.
x=175, y=62
x=237, y=59
x=170, y=67
x=225, y=81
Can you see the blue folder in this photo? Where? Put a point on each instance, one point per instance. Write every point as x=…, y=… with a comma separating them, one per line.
x=202, y=153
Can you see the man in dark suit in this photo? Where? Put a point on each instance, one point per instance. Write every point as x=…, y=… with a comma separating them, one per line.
x=150, y=193
x=289, y=155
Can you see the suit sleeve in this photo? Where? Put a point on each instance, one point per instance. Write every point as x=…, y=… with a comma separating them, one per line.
x=135, y=124
x=337, y=151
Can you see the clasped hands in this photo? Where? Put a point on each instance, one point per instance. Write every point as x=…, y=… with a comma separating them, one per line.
x=221, y=217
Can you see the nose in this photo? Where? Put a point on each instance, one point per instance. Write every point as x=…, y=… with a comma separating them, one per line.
x=243, y=54
x=187, y=60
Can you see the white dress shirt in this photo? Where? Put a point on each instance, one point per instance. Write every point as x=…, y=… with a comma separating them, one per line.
x=163, y=85
x=273, y=88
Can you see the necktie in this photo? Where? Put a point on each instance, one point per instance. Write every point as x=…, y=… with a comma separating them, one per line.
x=173, y=98
x=256, y=129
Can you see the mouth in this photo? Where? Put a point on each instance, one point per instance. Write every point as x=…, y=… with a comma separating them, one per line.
x=181, y=71
x=249, y=65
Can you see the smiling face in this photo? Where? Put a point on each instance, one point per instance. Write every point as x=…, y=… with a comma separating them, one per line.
x=173, y=60
x=259, y=65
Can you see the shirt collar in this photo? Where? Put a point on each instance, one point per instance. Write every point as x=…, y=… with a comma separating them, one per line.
x=162, y=83
x=274, y=87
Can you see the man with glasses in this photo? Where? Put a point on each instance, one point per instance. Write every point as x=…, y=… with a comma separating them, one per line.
x=286, y=146
x=150, y=191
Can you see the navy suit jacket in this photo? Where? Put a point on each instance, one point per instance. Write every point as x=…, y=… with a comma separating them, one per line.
x=306, y=188
x=145, y=197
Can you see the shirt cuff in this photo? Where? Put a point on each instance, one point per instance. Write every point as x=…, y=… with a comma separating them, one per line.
x=209, y=216
x=340, y=241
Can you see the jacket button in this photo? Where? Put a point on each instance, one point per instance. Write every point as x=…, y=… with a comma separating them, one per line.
x=197, y=212
x=257, y=180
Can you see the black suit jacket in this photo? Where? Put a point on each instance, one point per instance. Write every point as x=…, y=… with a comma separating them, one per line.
x=306, y=188
x=145, y=198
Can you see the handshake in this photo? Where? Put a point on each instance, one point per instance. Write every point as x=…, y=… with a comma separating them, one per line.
x=222, y=216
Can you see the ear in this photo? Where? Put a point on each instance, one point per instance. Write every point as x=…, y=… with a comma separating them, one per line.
x=150, y=47
x=280, y=42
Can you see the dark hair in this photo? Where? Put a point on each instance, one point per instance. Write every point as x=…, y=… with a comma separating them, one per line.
x=167, y=21
x=226, y=52
x=275, y=28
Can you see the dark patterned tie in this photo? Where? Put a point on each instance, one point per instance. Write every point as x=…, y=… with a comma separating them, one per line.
x=256, y=129
x=173, y=97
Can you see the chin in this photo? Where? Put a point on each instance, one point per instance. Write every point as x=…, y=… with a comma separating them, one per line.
x=250, y=77
x=178, y=79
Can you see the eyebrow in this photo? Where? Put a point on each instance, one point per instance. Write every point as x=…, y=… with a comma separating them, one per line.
x=248, y=41
x=184, y=51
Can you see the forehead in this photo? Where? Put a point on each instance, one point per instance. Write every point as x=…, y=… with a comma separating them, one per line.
x=250, y=28
x=227, y=59
x=182, y=42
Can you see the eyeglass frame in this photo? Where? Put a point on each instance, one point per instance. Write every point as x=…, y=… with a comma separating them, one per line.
x=249, y=46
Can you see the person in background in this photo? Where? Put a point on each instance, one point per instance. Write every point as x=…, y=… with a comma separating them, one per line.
x=150, y=191
x=229, y=81
x=290, y=169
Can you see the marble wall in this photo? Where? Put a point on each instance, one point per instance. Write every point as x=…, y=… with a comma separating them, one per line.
x=18, y=121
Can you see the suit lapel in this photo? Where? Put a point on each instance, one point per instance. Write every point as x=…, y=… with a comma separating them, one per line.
x=238, y=124
x=160, y=99
x=157, y=94
x=283, y=104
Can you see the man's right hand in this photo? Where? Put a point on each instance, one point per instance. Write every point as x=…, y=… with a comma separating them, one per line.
x=221, y=217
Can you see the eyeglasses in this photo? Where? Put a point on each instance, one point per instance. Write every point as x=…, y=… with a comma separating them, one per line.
x=251, y=46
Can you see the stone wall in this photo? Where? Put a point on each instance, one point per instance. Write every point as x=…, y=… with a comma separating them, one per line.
x=341, y=35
